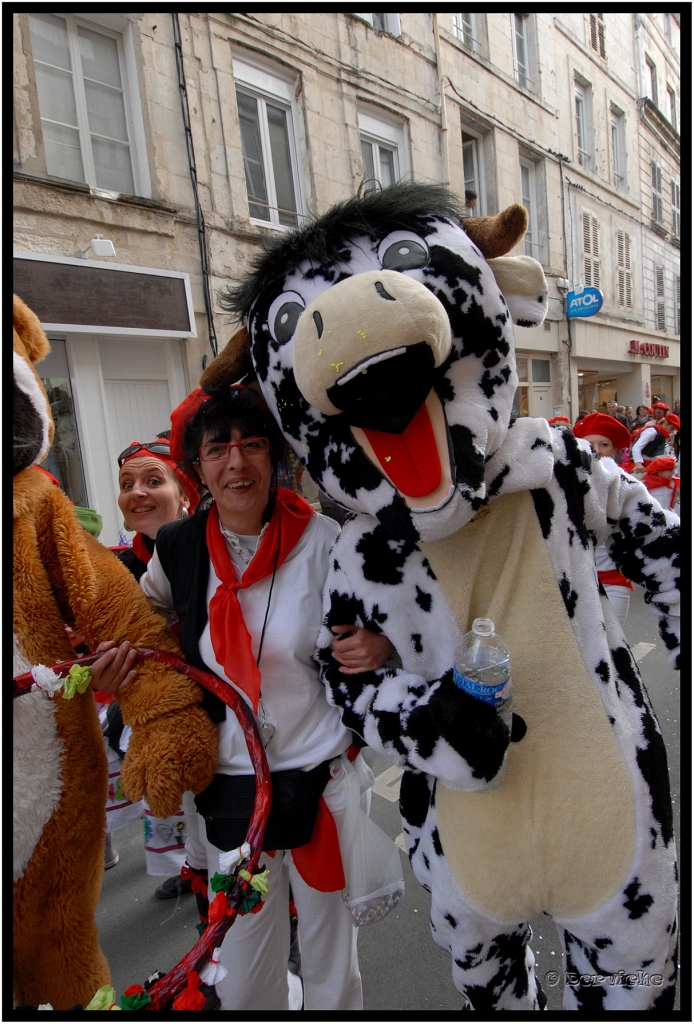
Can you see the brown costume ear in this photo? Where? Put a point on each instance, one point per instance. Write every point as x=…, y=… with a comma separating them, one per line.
x=28, y=327
x=232, y=363
x=495, y=236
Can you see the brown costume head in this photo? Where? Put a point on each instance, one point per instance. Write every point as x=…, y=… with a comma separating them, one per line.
x=32, y=422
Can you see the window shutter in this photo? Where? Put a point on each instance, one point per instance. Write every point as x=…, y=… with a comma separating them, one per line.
x=621, y=273
x=627, y=264
x=594, y=31
x=677, y=305
x=601, y=37
x=657, y=187
x=596, y=254
x=587, y=261
x=660, y=298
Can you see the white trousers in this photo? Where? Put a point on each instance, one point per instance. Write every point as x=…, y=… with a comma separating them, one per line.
x=619, y=598
x=256, y=947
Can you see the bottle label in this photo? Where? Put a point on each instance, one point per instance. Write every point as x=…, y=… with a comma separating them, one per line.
x=494, y=695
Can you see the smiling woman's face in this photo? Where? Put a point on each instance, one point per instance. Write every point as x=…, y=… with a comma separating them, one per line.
x=239, y=485
x=149, y=495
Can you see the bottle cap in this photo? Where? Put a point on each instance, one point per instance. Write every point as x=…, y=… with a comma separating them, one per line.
x=483, y=627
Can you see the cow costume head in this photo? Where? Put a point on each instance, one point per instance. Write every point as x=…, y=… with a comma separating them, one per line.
x=381, y=335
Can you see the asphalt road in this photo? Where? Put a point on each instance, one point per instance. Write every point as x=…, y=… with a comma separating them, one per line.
x=402, y=968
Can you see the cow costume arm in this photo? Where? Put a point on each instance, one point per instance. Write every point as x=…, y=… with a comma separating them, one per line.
x=644, y=541
x=423, y=724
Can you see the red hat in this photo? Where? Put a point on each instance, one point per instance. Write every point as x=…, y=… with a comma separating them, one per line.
x=661, y=465
x=673, y=418
x=604, y=426
x=560, y=419
x=661, y=405
x=189, y=486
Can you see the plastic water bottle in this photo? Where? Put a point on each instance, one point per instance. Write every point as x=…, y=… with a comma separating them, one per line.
x=483, y=669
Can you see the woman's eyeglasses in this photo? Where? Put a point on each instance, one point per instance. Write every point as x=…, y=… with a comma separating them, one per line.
x=222, y=449
x=156, y=447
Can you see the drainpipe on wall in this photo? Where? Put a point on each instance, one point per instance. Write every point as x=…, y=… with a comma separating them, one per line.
x=442, y=102
x=639, y=53
x=566, y=271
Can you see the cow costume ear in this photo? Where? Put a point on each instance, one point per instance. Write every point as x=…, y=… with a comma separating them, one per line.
x=522, y=282
x=232, y=363
x=495, y=236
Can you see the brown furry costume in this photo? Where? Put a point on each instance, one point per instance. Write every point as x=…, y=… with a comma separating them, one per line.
x=63, y=575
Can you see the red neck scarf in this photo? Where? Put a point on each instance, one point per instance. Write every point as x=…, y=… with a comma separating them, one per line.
x=231, y=641
x=141, y=548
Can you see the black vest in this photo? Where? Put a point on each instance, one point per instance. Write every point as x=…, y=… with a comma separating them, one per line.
x=182, y=551
x=655, y=448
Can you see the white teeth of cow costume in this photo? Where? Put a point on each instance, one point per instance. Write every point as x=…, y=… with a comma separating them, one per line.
x=382, y=339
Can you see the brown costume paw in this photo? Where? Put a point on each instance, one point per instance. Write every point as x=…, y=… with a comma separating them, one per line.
x=169, y=755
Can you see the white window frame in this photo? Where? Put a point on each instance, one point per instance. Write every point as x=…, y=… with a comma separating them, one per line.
x=652, y=80
x=391, y=22
x=657, y=192
x=120, y=30
x=583, y=123
x=591, y=271
x=618, y=129
x=671, y=105
x=660, y=317
x=377, y=132
x=263, y=85
x=465, y=31
x=597, y=35
x=675, y=207
x=625, y=286
x=529, y=73
x=478, y=158
x=531, y=243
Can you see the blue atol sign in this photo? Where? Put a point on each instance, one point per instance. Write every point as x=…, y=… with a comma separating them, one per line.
x=584, y=302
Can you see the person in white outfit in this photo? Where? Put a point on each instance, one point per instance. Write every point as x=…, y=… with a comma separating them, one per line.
x=607, y=437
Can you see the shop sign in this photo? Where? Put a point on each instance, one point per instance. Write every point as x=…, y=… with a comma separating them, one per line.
x=584, y=302
x=648, y=348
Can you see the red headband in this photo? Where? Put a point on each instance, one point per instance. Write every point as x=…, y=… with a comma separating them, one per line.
x=560, y=419
x=189, y=486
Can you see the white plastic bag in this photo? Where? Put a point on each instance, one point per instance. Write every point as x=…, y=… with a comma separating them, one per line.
x=371, y=860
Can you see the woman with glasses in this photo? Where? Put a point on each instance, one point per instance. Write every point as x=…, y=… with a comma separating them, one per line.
x=244, y=576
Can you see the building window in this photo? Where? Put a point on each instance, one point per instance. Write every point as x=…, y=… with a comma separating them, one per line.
x=597, y=34
x=652, y=81
x=619, y=149
x=531, y=242
x=584, y=124
x=523, y=50
x=591, y=250
x=464, y=30
x=671, y=107
x=473, y=173
x=387, y=22
x=675, y=200
x=624, y=288
x=677, y=305
x=656, y=192
x=660, y=299
x=268, y=146
x=381, y=151
x=85, y=116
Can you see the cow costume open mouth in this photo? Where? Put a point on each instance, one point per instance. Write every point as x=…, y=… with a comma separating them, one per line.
x=369, y=349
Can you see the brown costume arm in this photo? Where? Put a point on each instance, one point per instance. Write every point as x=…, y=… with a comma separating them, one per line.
x=174, y=744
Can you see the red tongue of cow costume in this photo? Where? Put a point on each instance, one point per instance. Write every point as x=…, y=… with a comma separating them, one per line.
x=410, y=459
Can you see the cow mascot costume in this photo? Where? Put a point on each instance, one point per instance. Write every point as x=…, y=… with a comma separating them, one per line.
x=381, y=335
x=63, y=576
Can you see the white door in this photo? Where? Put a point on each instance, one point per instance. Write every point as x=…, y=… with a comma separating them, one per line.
x=541, y=399
x=125, y=389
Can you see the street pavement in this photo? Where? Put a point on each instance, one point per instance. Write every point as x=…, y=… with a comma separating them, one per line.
x=402, y=968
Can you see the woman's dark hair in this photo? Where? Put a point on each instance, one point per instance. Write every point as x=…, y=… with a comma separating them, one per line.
x=215, y=418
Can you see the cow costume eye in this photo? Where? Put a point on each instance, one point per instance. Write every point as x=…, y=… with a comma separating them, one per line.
x=283, y=316
x=403, y=250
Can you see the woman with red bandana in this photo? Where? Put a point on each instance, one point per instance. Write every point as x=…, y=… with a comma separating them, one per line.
x=607, y=436
x=244, y=576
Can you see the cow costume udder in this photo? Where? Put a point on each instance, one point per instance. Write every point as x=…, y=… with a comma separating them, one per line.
x=382, y=339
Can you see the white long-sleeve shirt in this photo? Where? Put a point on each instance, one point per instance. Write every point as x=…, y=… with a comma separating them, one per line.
x=308, y=730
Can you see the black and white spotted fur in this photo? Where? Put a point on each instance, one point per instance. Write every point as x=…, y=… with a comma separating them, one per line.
x=410, y=710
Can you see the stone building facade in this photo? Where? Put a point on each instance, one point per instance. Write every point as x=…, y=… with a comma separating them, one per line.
x=288, y=113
